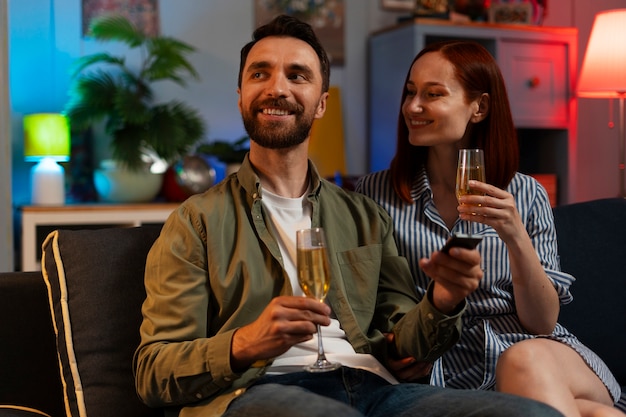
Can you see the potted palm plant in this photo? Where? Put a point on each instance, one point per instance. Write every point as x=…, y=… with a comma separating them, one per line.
x=104, y=89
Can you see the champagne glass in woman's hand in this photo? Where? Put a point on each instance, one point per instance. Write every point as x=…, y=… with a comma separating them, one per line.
x=314, y=278
x=471, y=166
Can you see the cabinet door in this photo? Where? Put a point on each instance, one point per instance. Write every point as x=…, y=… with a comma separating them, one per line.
x=536, y=80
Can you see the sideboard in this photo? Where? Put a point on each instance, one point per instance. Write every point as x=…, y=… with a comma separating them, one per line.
x=38, y=221
x=539, y=65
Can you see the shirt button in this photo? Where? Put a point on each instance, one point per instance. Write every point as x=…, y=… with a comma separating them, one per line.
x=227, y=379
x=430, y=316
x=198, y=396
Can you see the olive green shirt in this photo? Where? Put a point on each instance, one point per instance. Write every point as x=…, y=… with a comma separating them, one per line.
x=216, y=266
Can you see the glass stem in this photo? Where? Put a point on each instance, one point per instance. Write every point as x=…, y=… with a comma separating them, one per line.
x=321, y=356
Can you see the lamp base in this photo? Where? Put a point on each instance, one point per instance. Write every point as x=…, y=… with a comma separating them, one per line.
x=48, y=183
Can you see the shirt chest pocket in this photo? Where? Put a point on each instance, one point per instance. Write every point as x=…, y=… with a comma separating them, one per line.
x=360, y=270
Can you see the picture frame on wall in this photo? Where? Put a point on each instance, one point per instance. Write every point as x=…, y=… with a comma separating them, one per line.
x=327, y=17
x=398, y=5
x=142, y=13
x=514, y=13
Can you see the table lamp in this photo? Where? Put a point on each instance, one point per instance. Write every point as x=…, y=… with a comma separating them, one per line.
x=47, y=142
x=603, y=74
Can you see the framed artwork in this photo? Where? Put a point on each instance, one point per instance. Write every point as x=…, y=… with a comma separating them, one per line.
x=143, y=13
x=325, y=16
x=398, y=5
x=520, y=12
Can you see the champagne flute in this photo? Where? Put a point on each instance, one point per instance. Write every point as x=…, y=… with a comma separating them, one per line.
x=314, y=279
x=471, y=166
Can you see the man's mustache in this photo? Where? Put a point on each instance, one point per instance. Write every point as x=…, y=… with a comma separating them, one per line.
x=280, y=103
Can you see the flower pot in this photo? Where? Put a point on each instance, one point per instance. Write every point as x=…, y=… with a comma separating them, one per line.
x=115, y=184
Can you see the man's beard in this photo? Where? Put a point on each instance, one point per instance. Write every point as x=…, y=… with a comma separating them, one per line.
x=275, y=135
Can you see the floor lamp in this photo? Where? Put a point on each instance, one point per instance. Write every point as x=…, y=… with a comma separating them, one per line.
x=603, y=74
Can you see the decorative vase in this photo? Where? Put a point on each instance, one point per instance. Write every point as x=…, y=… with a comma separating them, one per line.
x=191, y=175
x=115, y=184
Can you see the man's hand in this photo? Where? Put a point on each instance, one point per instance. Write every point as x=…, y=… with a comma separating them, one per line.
x=286, y=321
x=406, y=369
x=456, y=275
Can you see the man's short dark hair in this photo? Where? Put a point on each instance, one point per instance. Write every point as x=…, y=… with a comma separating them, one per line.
x=284, y=25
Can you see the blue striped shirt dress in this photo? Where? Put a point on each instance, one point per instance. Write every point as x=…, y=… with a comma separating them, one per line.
x=490, y=323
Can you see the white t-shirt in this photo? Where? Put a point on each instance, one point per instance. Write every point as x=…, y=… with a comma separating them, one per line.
x=286, y=216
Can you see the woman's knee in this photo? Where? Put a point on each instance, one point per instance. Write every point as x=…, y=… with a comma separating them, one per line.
x=526, y=356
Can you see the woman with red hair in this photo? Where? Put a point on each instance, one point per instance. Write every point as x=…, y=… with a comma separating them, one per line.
x=455, y=97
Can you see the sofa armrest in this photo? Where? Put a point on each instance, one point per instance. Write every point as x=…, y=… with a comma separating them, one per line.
x=29, y=370
x=18, y=411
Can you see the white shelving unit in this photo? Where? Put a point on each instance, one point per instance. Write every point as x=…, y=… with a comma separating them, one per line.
x=35, y=218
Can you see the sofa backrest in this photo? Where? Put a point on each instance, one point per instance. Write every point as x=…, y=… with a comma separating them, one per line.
x=592, y=246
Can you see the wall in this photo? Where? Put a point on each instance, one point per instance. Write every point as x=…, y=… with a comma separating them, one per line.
x=6, y=229
x=44, y=39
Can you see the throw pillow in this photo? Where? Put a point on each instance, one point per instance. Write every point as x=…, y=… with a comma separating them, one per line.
x=95, y=286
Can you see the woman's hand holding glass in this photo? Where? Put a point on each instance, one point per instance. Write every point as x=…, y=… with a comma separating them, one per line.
x=497, y=209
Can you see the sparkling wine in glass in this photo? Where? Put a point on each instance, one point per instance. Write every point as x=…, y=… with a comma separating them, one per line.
x=314, y=279
x=471, y=166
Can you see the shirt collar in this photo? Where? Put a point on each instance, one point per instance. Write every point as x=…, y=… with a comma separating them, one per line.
x=420, y=188
x=250, y=181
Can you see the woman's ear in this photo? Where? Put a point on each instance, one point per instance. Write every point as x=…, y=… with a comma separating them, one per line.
x=483, y=108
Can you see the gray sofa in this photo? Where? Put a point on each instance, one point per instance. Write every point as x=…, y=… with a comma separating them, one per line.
x=94, y=281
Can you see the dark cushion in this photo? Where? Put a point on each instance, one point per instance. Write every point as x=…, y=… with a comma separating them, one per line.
x=29, y=374
x=592, y=246
x=95, y=280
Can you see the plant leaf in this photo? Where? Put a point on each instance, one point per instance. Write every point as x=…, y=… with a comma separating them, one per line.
x=100, y=58
x=168, y=61
x=174, y=129
x=131, y=107
x=115, y=27
x=91, y=98
x=127, y=144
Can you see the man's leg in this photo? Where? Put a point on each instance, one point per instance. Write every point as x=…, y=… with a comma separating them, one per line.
x=427, y=401
x=296, y=394
x=278, y=400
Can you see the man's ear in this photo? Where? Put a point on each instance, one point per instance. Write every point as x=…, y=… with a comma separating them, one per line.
x=483, y=108
x=321, y=106
x=239, y=99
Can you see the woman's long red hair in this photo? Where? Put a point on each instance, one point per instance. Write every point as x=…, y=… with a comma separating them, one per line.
x=478, y=73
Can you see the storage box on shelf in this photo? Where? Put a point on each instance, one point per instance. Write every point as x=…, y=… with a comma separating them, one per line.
x=539, y=67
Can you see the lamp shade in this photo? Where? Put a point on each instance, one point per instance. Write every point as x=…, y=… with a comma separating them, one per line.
x=603, y=74
x=46, y=135
x=47, y=141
